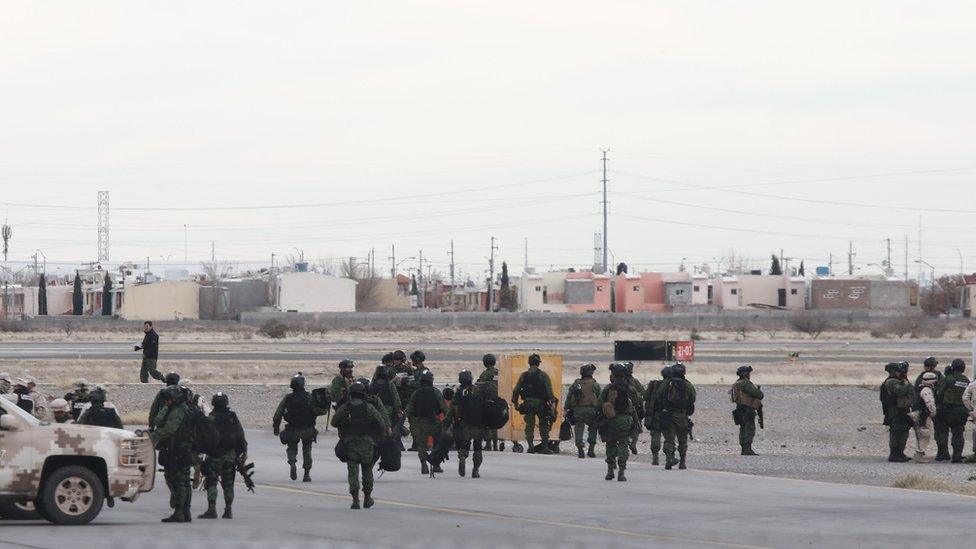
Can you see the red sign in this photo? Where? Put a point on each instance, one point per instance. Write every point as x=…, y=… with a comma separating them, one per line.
x=684, y=351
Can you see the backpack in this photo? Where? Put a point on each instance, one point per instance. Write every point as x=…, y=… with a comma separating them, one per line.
x=582, y=393
x=226, y=424
x=298, y=410
x=203, y=431
x=471, y=406
x=494, y=412
x=389, y=454
x=532, y=385
x=608, y=409
x=425, y=402
x=676, y=395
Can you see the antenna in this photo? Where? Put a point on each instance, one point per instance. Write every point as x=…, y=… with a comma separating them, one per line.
x=7, y=233
x=102, y=226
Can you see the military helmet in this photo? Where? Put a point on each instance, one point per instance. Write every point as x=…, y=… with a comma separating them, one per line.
x=4, y=376
x=448, y=393
x=958, y=365
x=399, y=355
x=297, y=381
x=743, y=370
x=220, y=400
x=630, y=367
x=418, y=356
x=678, y=369
x=903, y=367
x=81, y=384
x=346, y=364
x=666, y=372
x=357, y=388
x=171, y=392
x=930, y=377
x=97, y=395
x=535, y=359
x=489, y=360
x=465, y=377
x=930, y=362
x=59, y=405
x=381, y=372
x=618, y=369
x=172, y=378
x=427, y=377
x=364, y=381
x=387, y=358
x=892, y=367
x=587, y=369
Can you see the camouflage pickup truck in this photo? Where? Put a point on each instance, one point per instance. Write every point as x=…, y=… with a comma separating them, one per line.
x=64, y=472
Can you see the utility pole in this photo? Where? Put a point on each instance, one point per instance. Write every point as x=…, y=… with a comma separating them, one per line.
x=850, y=257
x=184, y=245
x=491, y=277
x=888, y=270
x=392, y=259
x=103, y=226
x=605, y=265
x=830, y=265
x=919, y=249
x=420, y=273
x=525, y=267
x=906, y=258
x=372, y=262
x=452, y=273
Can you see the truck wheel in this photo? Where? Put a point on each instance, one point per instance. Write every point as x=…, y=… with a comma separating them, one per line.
x=19, y=510
x=72, y=495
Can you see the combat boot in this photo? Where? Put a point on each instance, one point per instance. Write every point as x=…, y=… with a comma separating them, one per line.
x=956, y=456
x=307, y=477
x=177, y=516
x=620, y=473
x=681, y=462
x=971, y=459
x=895, y=458
x=579, y=452
x=227, y=512
x=355, y=502
x=186, y=513
x=591, y=452
x=367, y=500
x=544, y=448
x=920, y=457
x=211, y=512
x=610, y=474
x=494, y=445
x=669, y=461
x=633, y=447
x=475, y=473
x=461, y=466
x=654, y=459
x=747, y=450
x=529, y=446
x=477, y=465
x=423, y=468
x=436, y=469
x=293, y=472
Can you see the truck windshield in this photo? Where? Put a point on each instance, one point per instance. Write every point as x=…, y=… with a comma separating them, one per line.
x=12, y=408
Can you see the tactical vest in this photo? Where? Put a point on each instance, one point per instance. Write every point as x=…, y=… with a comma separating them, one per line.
x=360, y=423
x=425, y=402
x=532, y=385
x=383, y=390
x=298, y=410
x=900, y=402
x=26, y=401
x=226, y=423
x=621, y=402
x=102, y=416
x=676, y=394
x=740, y=397
x=471, y=406
x=585, y=394
x=955, y=385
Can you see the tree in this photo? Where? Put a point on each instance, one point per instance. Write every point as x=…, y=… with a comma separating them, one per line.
x=42, y=295
x=107, y=296
x=775, y=268
x=812, y=324
x=77, y=299
x=367, y=287
x=802, y=271
x=506, y=294
x=413, y=285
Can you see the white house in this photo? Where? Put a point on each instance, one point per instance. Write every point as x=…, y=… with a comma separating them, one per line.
x=313, y=293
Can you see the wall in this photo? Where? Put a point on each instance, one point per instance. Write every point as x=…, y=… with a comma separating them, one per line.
x=313, y=292
x=853, y=294
x=388, y=297
x=891, y=294
x=162, y=301
x=530, y=293
x=677, y=293
x=700, y=297
x=580, y=292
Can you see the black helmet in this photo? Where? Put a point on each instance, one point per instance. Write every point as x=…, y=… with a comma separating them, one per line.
x=381, y=372
x=364, y=381
x=465, y=377
x=666, y=372
x=743, y=370
x=448, y=393
x=97, y=395
x=630, y=367
x=587, y=369
x=903, y=367
x=427, y=377
x=489, y=360
x=535, y=359
x=618, y=370
x=357, y=388
x=297, y=381
x=387, y=358
x=678, y=370
x=892, y=367
x=219, y=400
x=958, y=365
x=399, y=355
x=172, y=378
x=346, y=364
x=930, y=362
x=418, y=356
x=171, y=392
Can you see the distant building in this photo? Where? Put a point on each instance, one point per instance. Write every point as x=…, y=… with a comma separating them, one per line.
x=227, y=299
x=162, y=301
x=746, y=291
x=969, y=295
x=862, y=293
x=304, y=292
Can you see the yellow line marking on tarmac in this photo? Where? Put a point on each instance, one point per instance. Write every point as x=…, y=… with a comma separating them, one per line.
x=483, y=514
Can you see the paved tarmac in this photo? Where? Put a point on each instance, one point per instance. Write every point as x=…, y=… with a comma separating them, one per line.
x=522, y=501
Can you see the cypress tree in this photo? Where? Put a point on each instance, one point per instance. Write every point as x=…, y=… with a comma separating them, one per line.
x=77, y=299
x=42, y=295
x=107, y=296
x=775, y=268
x=802, y=270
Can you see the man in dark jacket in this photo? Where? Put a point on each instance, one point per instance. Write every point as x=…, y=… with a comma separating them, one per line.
x=150, y=353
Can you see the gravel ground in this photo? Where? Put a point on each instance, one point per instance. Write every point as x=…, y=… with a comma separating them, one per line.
x=824, y=433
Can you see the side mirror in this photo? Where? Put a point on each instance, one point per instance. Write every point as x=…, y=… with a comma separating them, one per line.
x=9, y=423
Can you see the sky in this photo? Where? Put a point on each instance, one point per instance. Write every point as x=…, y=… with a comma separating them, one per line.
x=245, y=129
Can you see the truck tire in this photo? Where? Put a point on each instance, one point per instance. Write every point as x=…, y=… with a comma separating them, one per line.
x=72, y=495
x=19, y=510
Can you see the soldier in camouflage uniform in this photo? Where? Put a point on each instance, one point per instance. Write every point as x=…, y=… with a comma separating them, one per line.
x=339, y=389
x=675, y=399
x=99, y=413
x=425, y=409
x=381, y=388
x=489, y=379
x=360, y=424
x=171, y=379
x=5, y=385
x=60, y=410
x=535, y=390
x=299, y=411
x=467, y=413
x=173, y=438
x=896, y=395
x=405, y=382
x=221, y=466
x=748, y=400
x=652, y=416
x=619, y=412
x=951, y=411
x=582, y=403
x=931, y=364
x=639, y=403
x=79, y=398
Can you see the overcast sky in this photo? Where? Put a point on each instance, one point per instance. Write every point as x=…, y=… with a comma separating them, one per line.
x=412, y=123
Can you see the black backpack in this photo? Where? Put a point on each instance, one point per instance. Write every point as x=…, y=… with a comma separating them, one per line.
x=298, y=410
x=471, y=406
x=495, y=412
x=203, y=431
x=226, y=424
x=389, y=454
x=676, y=396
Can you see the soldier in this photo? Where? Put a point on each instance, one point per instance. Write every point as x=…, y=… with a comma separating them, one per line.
x=381, y=388
x=359, y=423
x=40, y=403
x=61, y=410
x=652, y=416
x=953, y=413
x=535, y=389
x=387, y=361
x=675, y=399
x=417, y=359
x=897, y=398
x=99, y=413
x=967, y=401
x=231, y=448
x=150, y=353
x=426, y=404
x=639, y=391
x=299, y=411
x=489, y=379
x=173, y=438
x=5, y=385
x=619, y=410
x=581, y=403
x=78, y=397
x=339, y=389
x=371, y=398
x=171, y=379
x=27, y=398
x=405, y=381
x=748, y=400
x=468, y=419
x=931, y=364
x=923, y=413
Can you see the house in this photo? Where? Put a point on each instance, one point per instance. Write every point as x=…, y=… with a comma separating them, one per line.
x=862, y=293
x=969, y=295
x=653, y=292
x=161, y=301
x=701, y=289
x=227, y=299
x=305, y=292
x=542, y=292
x=392, y=294
x=745, y=291
x=587, y=292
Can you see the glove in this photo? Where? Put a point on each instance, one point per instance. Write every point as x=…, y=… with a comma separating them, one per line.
x=136, y=348
x=277, y=431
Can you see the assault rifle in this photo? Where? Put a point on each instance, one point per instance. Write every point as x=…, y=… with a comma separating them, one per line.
x=246, y=471
x=759, y=417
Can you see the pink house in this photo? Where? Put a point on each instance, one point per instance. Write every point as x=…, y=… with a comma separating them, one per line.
x=587, y=292
x=652, y=292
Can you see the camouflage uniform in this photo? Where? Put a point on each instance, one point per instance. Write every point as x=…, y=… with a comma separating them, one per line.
x=535, y=389
x=674, y=419
x=303, y=431
x=748, y=399
x=221, y=467
x=78, y=399
x=897, y=405
x=101, y=415
x=489, y=380
x=426, y=404
x=952, y=415
x=652, y=418
x=469, y=431
x=174, y=439
x=638, y=390
x=339, y=388
x=617, y=405
x=938, y=422
x=583, y=399
x=358, y=423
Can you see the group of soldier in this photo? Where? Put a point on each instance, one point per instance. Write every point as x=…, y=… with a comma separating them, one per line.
x=937, y=401
x=81, y=405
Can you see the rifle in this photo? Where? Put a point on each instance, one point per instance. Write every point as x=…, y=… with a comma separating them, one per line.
x=246, y=471
x=759, y=417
